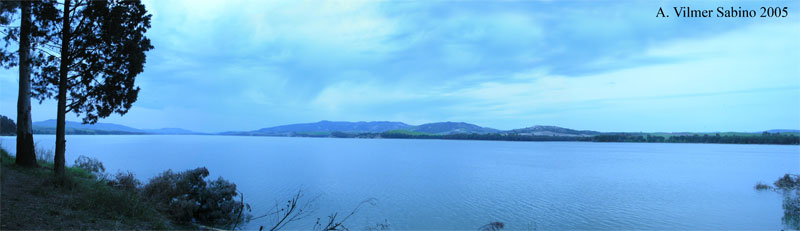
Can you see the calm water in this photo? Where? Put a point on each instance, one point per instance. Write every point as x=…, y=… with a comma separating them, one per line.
x=440, y=184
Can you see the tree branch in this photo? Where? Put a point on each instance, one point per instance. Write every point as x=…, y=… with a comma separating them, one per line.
x=48, y=52
x=80, y=24
x=241, y=210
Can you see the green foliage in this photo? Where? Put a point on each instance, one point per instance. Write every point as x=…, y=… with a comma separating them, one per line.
x=791, y=209
x=788, y=182
x=407, y=132
x=100, y=197
x=104, y=53
x=6, y=158
x=762, y=186
x=7, y=126
x=91, y=165
x=311, y=134
x=90, y=194
x=764, y=138
x=403, y=134
x=7, y=11
x=125, y=181
x=353, y=135
x=186, y=197
x=85, y=198
x=80, y=173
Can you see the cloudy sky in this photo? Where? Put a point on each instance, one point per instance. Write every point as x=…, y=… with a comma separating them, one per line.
x=600, y=65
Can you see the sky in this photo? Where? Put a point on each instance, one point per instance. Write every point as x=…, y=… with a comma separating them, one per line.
x=595, y=65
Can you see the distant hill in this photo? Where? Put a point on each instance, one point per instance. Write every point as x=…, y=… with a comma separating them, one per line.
x=80, y=126
x=72, y=127
x=370, y=129
x=171, y=131
x=783, y=131
x=327, y=127
x=540, y=130
x=443, y=128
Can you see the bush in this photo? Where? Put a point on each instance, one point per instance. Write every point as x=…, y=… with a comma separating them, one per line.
x=89, y=164
x=186, y=197
x=493, y=226
x=114, y=203
x=762, y=186
x=125, y=181
x=788, y=182
x=789, y=186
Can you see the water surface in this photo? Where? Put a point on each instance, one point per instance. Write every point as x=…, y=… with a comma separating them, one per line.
x=446, y=184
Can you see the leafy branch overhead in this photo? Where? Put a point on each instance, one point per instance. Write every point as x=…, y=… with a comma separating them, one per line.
x=104, y=54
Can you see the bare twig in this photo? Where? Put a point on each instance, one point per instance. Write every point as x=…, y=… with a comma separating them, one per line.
x=239, y=216
x=334, y=225
x=293, y=211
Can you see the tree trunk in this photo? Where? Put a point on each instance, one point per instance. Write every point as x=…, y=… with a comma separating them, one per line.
x=61, y=142
x=26, y=156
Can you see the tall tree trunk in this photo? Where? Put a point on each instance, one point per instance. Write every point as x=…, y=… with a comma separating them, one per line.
x=61, y=141
x=26, y=155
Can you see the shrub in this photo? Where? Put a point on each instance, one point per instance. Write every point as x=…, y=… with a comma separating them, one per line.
x=789, y=186
x=125, y=181
x=113, y=203
x=791, y=210
x=493, y=226
x=762, y=186
x=186, y=197
x=89, y=164
x=788, y=182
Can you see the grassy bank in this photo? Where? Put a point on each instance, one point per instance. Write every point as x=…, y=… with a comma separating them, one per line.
x=35, y=199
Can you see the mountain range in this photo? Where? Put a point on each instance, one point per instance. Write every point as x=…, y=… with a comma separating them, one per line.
x=540, y=130
x=49, y=127
x=328, y=128
x=334, y=126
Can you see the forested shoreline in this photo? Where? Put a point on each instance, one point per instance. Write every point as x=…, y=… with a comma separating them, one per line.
x=717, y=138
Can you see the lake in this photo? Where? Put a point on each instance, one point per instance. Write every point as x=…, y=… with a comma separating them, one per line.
x=449, y=184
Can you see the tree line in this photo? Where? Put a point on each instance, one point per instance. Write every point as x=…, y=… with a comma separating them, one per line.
x=476, y=136
x=7, y=126
x=764, y=138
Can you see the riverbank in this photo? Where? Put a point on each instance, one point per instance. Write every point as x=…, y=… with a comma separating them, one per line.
x=34, y=199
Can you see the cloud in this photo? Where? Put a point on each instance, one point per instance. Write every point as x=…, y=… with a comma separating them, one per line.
x=733, y=67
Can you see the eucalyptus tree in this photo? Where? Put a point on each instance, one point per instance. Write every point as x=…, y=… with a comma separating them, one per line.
x=26, y=154
x=33, y=32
